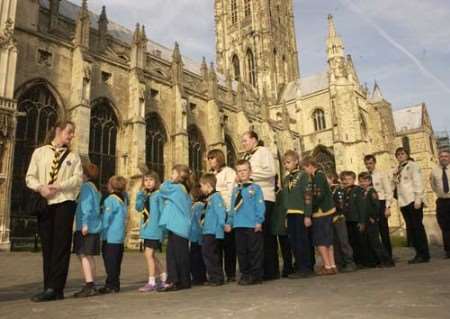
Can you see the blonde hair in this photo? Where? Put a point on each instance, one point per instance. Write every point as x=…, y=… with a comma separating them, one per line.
x=184, y=176
x=118, y=183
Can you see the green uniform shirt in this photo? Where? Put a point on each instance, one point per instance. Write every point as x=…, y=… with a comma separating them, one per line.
x=353, y=206
x=297, y=193
x=371, y=204
x=323, y=204
x=278, y=221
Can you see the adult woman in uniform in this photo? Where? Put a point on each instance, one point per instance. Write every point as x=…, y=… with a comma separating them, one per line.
x=55, y=173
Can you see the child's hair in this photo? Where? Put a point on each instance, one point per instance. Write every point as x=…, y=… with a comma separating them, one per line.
x=118, y=183
x=370, y=157
x=292, y=155
x=365, y=176
x=196, y=193
x=184, y=176
x=244, y=162
x=209, y=179
x=153, y=175
x=347, y=173
x=310, y=161
x=218, y=155
x=90, y=170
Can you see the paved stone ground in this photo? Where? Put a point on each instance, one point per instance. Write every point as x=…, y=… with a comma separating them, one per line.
x=420, y=291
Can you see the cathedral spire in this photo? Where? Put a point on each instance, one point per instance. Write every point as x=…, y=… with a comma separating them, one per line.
x=212, y=82
x=137, y=34
x=138, y=47
x=177, y=66
x=376, y=94
x=204, y=69
x=335, y=45
x=83, y=26
x=103, y=29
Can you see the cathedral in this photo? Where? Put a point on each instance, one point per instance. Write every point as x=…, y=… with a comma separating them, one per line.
x=139, y=105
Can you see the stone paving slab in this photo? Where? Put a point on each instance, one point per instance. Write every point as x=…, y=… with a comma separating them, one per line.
x=419, y=291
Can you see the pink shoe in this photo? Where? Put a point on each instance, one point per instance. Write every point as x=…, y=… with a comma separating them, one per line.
x=148, y=288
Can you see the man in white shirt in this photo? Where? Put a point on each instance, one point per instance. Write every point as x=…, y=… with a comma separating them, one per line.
x=382, y=185
x=440, y=185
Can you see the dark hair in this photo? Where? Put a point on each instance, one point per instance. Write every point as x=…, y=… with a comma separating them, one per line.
x=91, y=171
x=309, y=160
x=347, y=173
x=243, y=162
x=218, y=155
x=196, y=193
x=153, y=175
x=184, y=176
x=401, y=149
x=365, y=176
x=209, y=179
x=59, y=124
x=370, y=157
x=252, y=134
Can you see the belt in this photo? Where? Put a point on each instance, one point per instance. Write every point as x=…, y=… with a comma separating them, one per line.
x=320, y=213
x=295, y=211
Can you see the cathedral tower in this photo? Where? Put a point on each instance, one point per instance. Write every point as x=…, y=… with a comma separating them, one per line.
x=256, y=43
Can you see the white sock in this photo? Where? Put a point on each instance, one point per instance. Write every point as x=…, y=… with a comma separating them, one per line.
x=163, y=277
x=152, y=280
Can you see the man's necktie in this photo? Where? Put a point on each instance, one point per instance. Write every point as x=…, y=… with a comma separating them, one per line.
x=445, y=180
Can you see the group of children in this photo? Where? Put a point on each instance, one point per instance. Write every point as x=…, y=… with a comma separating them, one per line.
x=337, y=220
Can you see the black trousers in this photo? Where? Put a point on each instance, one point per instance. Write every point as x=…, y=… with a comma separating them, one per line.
x=413, y=220
x=250, y=253
x=228, y=251
x=198, y=268
x=376, y=253
x=178, y=261
x=357, y=241
x=55, y=232
x=343, y=251
x=212, y=258
x=300, y=240
x=286, y=253
x=443, y=218
x=383, y=225
x=271, y=265
x=112, y=258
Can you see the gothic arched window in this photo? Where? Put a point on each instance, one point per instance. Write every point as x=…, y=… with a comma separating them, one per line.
x=319, y=120
x=234, y=12
x=103, y=139
x=236, y=67
x=155, y=139
x=39, y=106
x=231, y=152
x=196, y=150
x=251, y=68
x=248, y=8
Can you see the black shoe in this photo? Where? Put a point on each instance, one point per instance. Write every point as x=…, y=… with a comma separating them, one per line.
x=348, y=268
x=301, y=275
x=107, y=290
x=168, y=288
x=274, y=277
x=231, y=279
x=388, y=264
x=197, y=283
x=244, y=282
x=48, y=295
x=418, y=260
x=86, y=291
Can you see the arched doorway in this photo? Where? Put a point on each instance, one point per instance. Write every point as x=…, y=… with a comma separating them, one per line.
x=40, y=113
x=155, y=139
x=103, y=140
x=196, y=151
x=231, y=152
x=325, y=158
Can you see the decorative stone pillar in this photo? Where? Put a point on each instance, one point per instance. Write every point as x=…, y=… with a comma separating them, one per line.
x=8, y=114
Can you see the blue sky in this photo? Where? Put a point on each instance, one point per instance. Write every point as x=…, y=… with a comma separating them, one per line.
x=404, y=44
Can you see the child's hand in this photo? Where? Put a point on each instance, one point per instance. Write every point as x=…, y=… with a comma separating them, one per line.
x=227, y=228
x=372, y=221
x=84, y=230
x=308, y=222
x=361, y=227
x=258, y=228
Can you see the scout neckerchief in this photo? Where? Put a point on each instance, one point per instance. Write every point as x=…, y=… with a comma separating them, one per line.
x=146, y=211
x=57, y=161
x=398, y=173
x=292, y=179
x=239, y=198
x=247, y=156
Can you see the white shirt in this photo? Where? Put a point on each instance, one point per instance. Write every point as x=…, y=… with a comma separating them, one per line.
x=263, y=172
x=69, y=176
x=436, y=181
x=383, y=186
x=409, y=185
x=226, y=179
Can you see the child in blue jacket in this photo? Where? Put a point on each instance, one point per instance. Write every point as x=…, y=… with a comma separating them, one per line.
x=114, y=227
x=148, y=203
x=246, y=216
x=88, y=226
x=176, y=219
x=198, y=268
x=213, y=229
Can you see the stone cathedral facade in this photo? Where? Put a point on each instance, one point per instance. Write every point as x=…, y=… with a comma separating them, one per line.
x=140, y=105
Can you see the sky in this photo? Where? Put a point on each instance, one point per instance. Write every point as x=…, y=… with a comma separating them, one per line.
x=404, y=44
